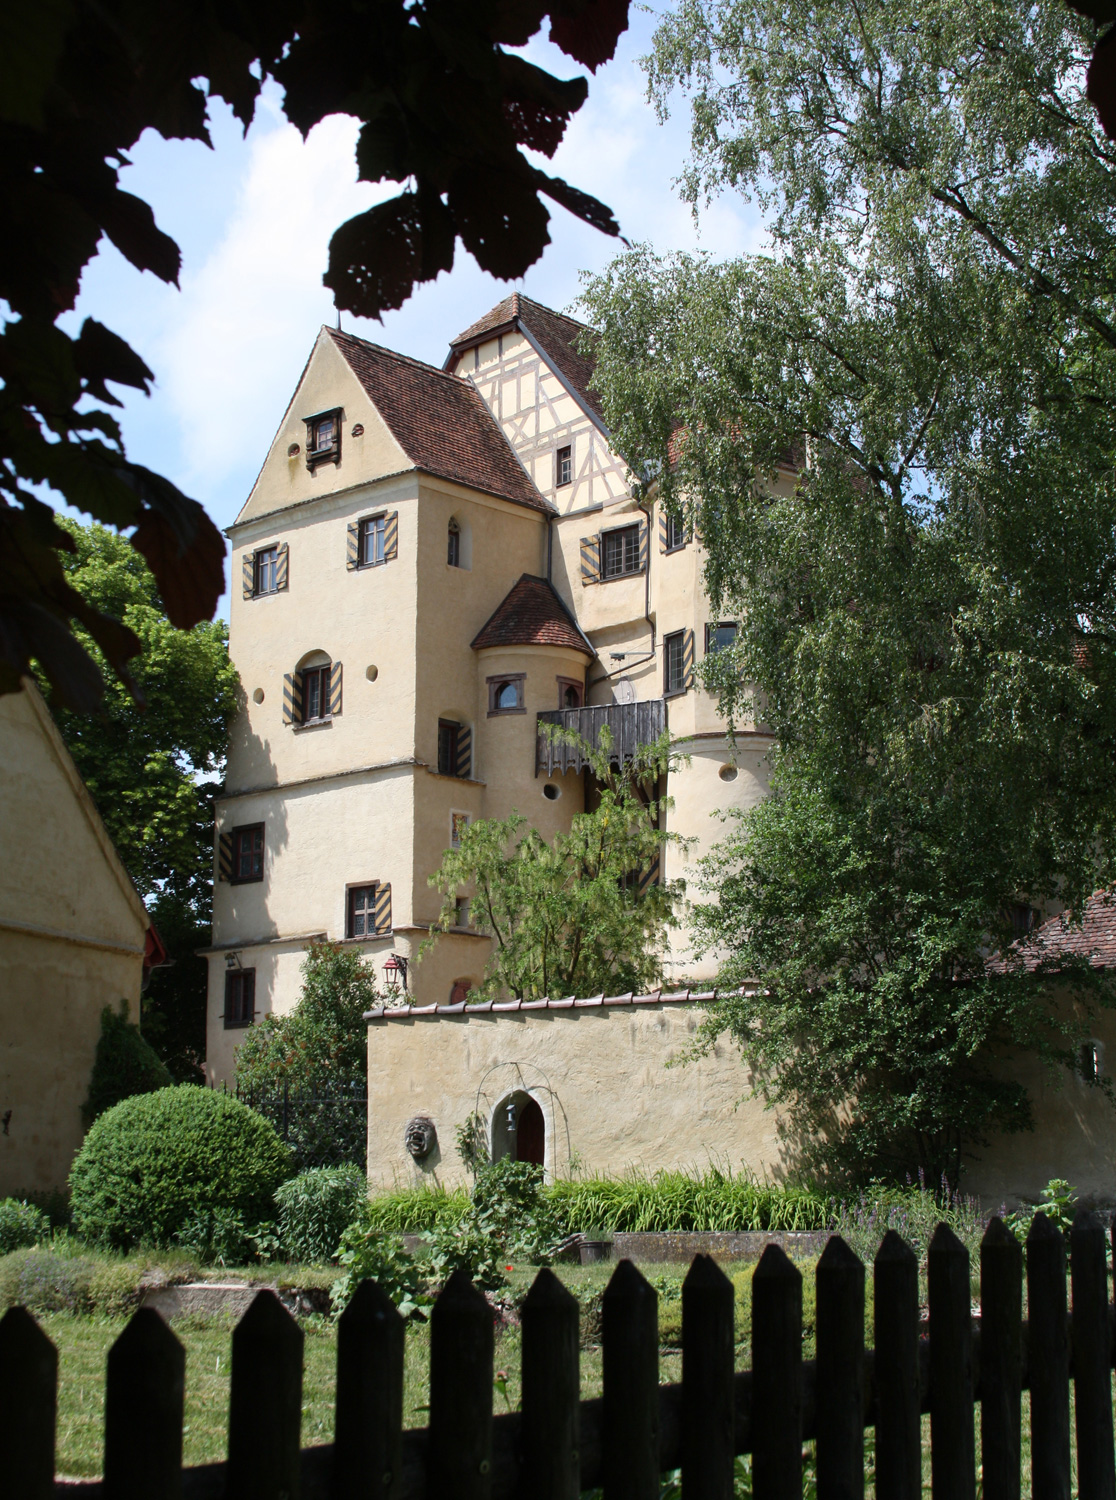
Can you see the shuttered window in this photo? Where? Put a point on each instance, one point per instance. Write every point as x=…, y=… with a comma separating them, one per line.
x=590, y=559
x=372, y=541
x=672, y=532
x=312, y=695
x=315, y=694
x=247, y=853
x=678, y=662
x=623, y=551
x=265, y=571
x=362, y=911
x=240, y=998
x=455, y=749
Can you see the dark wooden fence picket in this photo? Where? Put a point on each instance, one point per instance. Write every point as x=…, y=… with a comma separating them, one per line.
x=708, y=1349
x=1092, y=1359
x=551, y=1382
x=145, y=1392
x=777, y=1377
x=839, y=1402
x=897, y=1372
x=1048, y=1360
x=368, y=1422
x=630, y=1386
x=1001, y=1361
x=28, y=1406
x=558, y=1445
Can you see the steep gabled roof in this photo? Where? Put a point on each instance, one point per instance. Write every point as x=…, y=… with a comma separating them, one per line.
x=555, y=334
x=440, y=421
x=532, y=614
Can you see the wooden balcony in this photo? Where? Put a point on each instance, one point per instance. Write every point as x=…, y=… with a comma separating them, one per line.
x=630, y=724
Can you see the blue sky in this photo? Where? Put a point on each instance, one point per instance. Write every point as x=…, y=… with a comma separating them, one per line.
x=253, y=218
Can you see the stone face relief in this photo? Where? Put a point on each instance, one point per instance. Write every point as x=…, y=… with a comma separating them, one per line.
x=420, y=1136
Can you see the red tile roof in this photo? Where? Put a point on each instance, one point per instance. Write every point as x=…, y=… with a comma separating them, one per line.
x=557, y=335
x=440, y=421
x=1095, y=939
x=532, y=615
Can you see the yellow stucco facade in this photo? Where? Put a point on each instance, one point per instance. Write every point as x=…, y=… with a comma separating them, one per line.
x=606, y=1078
x=72, y=934
x=506, y=450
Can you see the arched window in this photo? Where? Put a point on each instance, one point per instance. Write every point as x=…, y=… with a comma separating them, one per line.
x=312, y=693
x=453, y=544
x=507, y=696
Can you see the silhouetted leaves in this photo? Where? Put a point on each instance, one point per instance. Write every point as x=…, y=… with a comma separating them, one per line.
x=445, y=110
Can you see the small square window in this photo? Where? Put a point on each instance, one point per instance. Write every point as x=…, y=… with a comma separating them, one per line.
x=240, y=998
x=459, y=821
x=323, y=439
x=675, y=533
x=248, y=852
x=372, y=533
x=674, y=663
x=563, y=466
x=266, y=571
x=505, y=694
x=620, y=552
x=719, y=637
x=361, y=919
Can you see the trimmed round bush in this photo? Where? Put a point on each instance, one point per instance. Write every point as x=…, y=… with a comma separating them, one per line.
x=153, y=1162
x=315, y=1209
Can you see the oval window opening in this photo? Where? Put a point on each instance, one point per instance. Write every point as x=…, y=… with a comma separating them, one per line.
x=552, y=792
x=728, y=773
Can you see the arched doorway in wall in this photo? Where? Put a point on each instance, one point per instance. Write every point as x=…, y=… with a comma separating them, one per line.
x=519, y=1129
x=530, y=1134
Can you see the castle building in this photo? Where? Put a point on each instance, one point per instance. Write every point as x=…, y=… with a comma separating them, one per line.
x=429, y=561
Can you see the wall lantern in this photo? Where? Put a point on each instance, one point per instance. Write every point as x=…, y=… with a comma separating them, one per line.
x=232, y=960
x=511, y=1116
x=395, y=971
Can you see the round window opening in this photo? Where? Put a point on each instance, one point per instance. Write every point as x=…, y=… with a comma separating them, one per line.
x=728, y=773
x=258, y=696
x=552, y=792
x=371, y=673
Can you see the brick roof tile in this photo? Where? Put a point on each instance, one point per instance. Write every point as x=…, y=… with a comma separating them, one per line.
x=532, y=614
x=1095, y=939
x=440, y=421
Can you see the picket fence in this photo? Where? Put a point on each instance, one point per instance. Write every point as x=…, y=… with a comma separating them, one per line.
x=557, y=1445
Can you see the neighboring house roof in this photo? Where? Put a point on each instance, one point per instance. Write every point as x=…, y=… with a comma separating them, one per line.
x=1095, y=939
x=487, y=1007
x=532, y=614
x=440, y=421
x=557, y=335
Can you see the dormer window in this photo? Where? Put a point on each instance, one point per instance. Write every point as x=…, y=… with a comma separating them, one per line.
x=323, y=439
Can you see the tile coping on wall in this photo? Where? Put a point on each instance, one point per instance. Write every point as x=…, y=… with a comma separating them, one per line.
x=486, y=1007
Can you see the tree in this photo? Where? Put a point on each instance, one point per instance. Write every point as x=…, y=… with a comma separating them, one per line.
x=578, y=915
x=323, y=1042
x=444, y=109
x=152, y=772
x=896, y=434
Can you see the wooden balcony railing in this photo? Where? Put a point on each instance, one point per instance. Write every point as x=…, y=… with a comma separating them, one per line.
x=630, y=725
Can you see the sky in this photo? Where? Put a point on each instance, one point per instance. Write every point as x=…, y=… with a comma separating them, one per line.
x=253, y=218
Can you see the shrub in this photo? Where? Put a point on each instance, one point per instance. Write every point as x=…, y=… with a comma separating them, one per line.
x=225, y=1237
x=153, y=1162
x=679, y=1201
x=368, y=1254
x=21, y=1224
x=412, y=1210
x=67, y=1277
x=123, y=1065
x=463, y=1247
x=509, y=1204
x=315, y=1208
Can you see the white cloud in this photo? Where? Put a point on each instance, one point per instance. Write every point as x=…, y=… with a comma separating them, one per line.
x=245, y=319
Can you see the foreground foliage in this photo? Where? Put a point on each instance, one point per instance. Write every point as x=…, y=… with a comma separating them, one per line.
x=895, y=436
x=322, y=1042
x=152, y=1164
x=447, y=106
x=578, y=915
